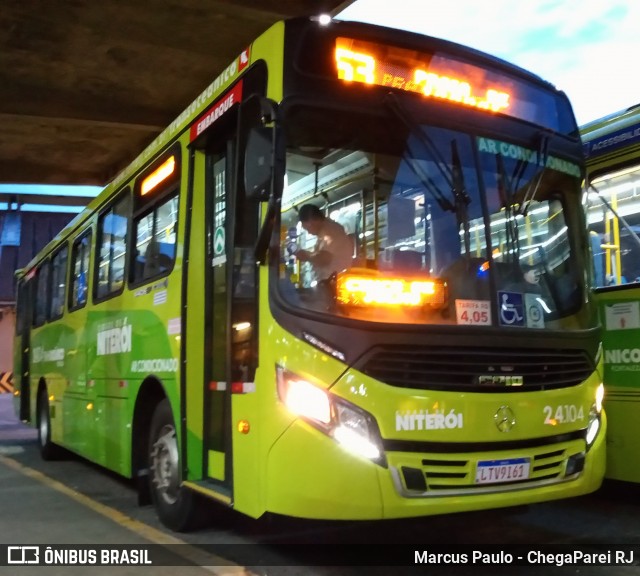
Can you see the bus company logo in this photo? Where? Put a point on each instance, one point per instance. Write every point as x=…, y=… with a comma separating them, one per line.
x=41, y=354
x=504, y=418
x=425, y=420
x=114, y=340
x=622, y=356
x=498, y=380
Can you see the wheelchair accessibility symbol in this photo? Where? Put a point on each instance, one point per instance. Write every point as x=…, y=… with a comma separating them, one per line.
x=511, y=308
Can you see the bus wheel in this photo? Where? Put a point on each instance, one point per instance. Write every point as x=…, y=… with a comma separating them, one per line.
x=48, y=450
x=176, y=505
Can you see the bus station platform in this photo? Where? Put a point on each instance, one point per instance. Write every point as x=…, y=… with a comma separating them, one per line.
x=42, y=519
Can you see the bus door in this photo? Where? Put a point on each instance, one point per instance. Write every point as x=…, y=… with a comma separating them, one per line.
x=230, y=308
x=22, y=369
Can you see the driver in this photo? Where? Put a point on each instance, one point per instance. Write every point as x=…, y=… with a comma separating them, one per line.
x=333, y=251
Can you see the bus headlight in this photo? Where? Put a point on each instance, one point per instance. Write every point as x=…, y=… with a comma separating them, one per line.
x=303, y=398
x=594, y=425
x=599, y=397
x=356, y=430
x=353, y=428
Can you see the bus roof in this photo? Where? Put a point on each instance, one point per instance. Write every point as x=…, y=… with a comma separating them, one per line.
x=611, y=132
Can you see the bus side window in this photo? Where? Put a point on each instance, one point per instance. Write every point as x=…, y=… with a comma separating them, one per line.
x=80, y=258
x=614, y=227
x=42, y=293
x=58, y=284
x=155, y=234
x=112, y=248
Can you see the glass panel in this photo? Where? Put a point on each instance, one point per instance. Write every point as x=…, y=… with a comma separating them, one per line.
x=369, y=64
x=426, y=225
x=112, y=228
x=21, y=306
x=156, y=241
x=42, y=292
x=220, y=270
x=614, y=223
x=165, y=233
x=80, y=267
x=58, y=283
x=219, y=319
x=144, y=233
x=533, y=264
x=439, y=75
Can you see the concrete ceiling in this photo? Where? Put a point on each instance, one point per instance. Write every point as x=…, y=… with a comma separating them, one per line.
x=85, y=85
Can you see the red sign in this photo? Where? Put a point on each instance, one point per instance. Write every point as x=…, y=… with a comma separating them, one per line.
x=243, y=60
x=217, y=110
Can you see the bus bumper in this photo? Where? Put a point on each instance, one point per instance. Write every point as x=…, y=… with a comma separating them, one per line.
x=311, y=476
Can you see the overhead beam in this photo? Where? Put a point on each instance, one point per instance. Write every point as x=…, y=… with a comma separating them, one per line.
x=85, y=86
x=84, y=122
x=77, y=105
x=48, y=199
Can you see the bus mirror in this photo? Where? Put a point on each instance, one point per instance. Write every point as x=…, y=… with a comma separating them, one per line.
x=258, y=163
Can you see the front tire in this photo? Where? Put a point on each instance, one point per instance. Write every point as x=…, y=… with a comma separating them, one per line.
x=48, y=450
x=176, y=505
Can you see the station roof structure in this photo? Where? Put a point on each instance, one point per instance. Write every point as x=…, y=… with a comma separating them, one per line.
x=85, y=85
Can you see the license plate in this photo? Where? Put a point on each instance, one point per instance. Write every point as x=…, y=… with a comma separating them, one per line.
x=496, y=471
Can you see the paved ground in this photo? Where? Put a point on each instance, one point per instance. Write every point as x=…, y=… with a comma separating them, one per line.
x=73, y=502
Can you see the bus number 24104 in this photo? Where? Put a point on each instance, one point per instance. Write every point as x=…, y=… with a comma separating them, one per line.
x=562, y=414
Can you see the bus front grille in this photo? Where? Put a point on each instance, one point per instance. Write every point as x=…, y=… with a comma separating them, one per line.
x=455, y=474
x=476, y=369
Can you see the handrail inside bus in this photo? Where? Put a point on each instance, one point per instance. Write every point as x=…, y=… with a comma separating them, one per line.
x=627, y=226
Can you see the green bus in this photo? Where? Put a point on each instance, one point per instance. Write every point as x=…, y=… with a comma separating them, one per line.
x=347, y=282
x=612, y=150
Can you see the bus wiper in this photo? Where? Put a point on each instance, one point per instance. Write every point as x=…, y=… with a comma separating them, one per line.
x=460, y=196
x=532, y=190
x=505, y=190
x=443, y=201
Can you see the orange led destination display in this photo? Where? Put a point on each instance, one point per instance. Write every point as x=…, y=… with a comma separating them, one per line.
x=432, y=75
x=356, y=289
x=158, y=176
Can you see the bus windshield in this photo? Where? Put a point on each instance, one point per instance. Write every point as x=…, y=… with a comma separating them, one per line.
x=426, y=225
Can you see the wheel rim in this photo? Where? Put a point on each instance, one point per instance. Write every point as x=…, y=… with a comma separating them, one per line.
x=43, y=425
x=164, y=464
